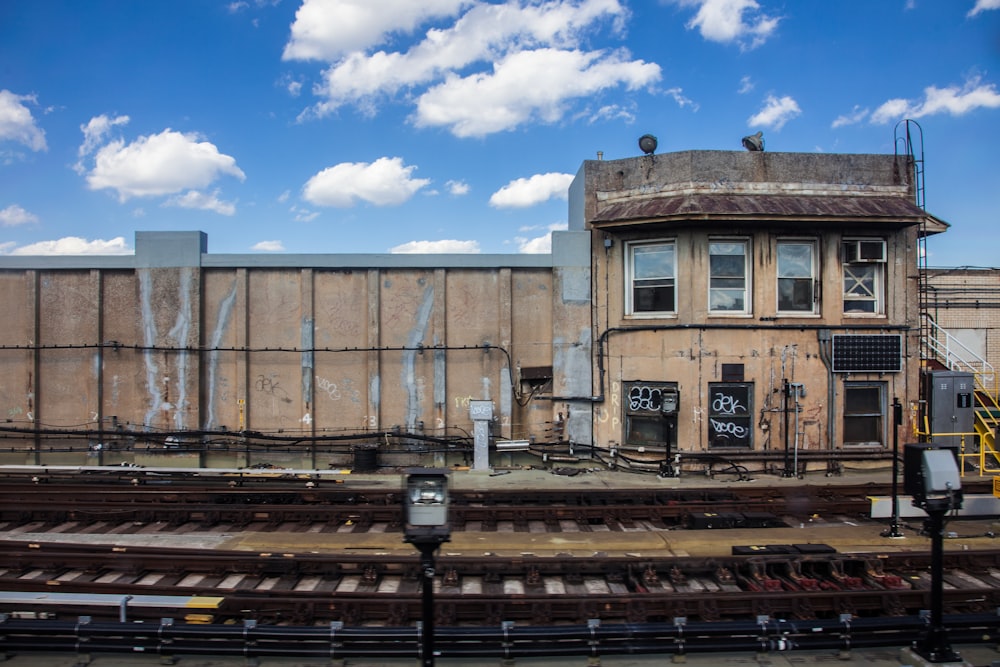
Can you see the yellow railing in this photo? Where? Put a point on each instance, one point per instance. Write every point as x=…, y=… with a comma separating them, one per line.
x=985, y=459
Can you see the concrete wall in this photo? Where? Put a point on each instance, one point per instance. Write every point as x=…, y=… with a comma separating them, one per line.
x=186, y=347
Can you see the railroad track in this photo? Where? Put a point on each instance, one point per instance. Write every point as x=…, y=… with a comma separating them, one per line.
x=372, y=589
x=79, y=506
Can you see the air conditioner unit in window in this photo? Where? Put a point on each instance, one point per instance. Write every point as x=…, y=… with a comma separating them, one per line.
x=870, y=250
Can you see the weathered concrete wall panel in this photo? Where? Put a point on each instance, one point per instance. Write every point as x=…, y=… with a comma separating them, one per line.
x=474, y=317
x=169, y=320
x=275, y=325
x=224, y=385
x=341, y=377
x=17, y=388
x=66, y=385
x=407, y=301
x=531, y=347
x=123, y=374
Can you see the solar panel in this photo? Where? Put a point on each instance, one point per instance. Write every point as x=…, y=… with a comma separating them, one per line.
x=867, y=353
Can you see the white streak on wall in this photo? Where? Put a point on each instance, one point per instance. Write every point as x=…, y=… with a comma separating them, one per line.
x=149, y=340
x=221, y=324
x=179, y=333
x=409, y=359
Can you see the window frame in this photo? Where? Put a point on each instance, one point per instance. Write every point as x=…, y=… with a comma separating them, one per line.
x=631, y=249
x=642, y=404
x=880, y=414
x=746, y=289
x=813, y=277
x=852, y=271
x=721, y=412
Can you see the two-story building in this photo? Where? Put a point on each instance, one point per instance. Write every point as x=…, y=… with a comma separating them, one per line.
x=752, y=305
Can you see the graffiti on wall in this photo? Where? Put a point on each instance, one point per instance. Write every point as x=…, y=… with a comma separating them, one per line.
x=729, y=415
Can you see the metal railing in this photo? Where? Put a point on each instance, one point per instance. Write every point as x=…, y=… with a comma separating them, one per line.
x=941, y=345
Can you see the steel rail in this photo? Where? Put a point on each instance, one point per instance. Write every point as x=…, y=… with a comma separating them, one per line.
x=506, y=640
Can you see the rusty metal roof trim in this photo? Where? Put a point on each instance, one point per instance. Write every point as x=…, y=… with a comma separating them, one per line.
x=763, y=208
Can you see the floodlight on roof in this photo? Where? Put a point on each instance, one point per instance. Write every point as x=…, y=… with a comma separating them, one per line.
x=647, y=144
x=754, y=142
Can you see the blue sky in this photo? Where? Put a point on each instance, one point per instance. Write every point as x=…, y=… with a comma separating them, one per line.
x=372, y=126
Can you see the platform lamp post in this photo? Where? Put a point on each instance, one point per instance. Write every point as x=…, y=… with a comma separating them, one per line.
x=930, y=475
x=425, y=511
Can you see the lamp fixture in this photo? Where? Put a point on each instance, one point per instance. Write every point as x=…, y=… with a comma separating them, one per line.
x=647, y=144
x=754, y=142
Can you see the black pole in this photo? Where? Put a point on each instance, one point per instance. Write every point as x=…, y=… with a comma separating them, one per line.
x=897, y=419
x=935, y=646
x=427, y=550
x=786, y=389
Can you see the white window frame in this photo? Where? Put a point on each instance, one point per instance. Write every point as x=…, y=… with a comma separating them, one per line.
x=630, y=279
x=864, y=267
x=813, y=276
x=746, y=290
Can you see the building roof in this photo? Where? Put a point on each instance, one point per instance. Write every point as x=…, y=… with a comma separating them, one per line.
x=809, y=209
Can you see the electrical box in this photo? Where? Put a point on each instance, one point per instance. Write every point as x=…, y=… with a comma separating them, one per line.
x=669, y=404
x=951, y=407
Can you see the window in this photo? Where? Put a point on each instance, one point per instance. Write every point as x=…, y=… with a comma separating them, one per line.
x=650, y=413
x=729, y=415
x=727, y=284
x=864, y=268
x=653, y=276
x=864, y=407
x=797, y=277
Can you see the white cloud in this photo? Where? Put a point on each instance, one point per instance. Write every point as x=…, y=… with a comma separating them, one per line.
x=728, y=21
x=202, y=200
x=955, y=100
x=436, y=247
x=385, y=182
x=776, y=112
x=328, y=29
x=539, y=244
x=612, y=112
x=481, y=104
x=856, y=116
x=746, y=85
x=304, y=214
x=525, y=192
x=268, y=246
x=482, y=35
x=457, y=188
x=983, y=5
x=16, y=122
x=14, y=215
x=74, y=245
x=96, y=129
x=160, y=164
x=290, y=83
x=478, y=53
x=681, y=100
